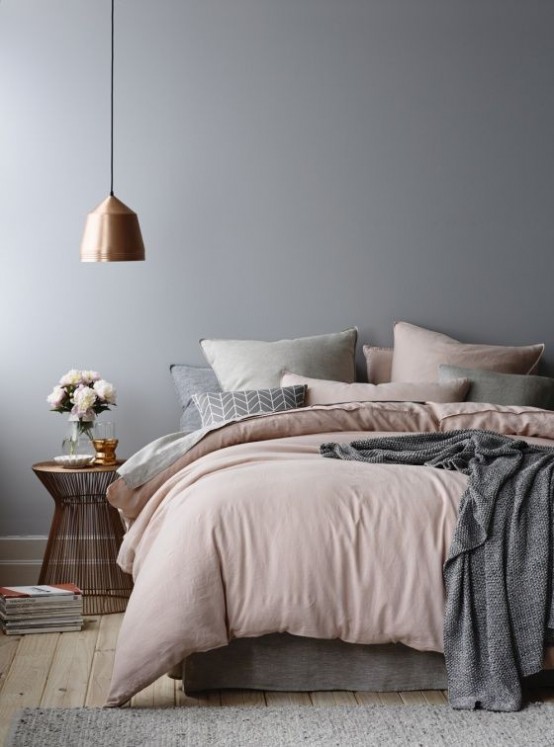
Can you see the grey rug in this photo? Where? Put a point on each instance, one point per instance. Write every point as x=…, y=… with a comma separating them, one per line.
x=294, y=726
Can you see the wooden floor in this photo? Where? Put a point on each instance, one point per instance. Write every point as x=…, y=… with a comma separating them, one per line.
x=74, y=669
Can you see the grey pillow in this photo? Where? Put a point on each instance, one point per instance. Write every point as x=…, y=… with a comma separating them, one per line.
x=217, y=407
x=255, y=364
x=503, y=388
x=191, y=380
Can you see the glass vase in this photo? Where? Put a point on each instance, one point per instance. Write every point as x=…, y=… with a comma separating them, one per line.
x=78, y=439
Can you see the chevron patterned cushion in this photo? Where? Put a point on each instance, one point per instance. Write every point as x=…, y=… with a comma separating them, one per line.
x=217, y=407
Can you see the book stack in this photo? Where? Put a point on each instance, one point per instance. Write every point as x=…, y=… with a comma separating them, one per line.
x=40, y=609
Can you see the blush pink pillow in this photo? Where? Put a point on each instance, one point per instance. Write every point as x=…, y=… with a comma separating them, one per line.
x=379, y=364
x=419, y=352
x=323, y=392
x=509, y=420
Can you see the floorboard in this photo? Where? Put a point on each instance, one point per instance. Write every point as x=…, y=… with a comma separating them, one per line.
x=413, y=697
x=160, y=694
x=8, y=648
x=287, y=698
x=242, y=698
x=333, y=698
x=67, y=683
x=391, y=699
x=211, y=698
x=435, y=697
x=102, y=661
x=367, y=698
x=26, y=678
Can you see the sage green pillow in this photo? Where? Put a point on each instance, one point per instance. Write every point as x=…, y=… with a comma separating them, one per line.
x=255, y=364
x=503, y=388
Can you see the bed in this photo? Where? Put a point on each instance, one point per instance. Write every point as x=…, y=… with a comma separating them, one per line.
x=258, y=563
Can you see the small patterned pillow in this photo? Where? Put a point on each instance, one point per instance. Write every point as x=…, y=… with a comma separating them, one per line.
x=217, y=407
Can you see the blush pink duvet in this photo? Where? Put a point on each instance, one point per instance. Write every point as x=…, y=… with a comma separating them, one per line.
x=253, y=532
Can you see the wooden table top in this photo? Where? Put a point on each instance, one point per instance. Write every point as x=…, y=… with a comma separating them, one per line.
x=51, y=466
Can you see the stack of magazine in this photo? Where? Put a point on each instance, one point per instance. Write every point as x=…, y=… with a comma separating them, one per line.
x=40, y=609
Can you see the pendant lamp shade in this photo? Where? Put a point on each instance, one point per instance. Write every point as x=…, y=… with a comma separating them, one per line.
x=112, y=234
x=112, y=231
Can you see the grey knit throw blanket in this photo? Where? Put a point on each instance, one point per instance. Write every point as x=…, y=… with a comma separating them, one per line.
x=498, y=574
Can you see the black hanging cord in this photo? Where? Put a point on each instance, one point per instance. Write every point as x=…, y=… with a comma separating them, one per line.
x=111, y=106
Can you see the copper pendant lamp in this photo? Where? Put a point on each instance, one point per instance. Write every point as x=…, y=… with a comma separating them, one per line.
x=112, y=231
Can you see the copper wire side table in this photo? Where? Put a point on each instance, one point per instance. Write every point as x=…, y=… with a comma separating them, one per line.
x=85, y=536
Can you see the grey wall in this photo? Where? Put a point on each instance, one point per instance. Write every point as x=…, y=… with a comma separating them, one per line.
x=298, y=166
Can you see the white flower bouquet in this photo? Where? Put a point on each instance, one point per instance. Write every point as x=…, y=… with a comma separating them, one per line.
x=84, y=395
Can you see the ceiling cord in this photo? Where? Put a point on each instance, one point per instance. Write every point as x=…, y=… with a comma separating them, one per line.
x=111, y=106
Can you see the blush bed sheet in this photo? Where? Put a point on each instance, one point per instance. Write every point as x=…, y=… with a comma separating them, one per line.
x=252, y=532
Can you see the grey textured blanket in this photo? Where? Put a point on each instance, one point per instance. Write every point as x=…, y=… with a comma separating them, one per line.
x=498, y=575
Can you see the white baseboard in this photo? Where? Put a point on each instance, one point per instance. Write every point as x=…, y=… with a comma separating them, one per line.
x=21, y=559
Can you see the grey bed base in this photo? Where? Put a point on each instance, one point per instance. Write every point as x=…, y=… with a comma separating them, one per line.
x=286, y=662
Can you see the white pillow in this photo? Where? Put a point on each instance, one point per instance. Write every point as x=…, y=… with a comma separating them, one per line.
x=255, y=364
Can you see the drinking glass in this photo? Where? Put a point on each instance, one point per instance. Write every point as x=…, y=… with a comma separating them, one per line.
x=105, y=443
